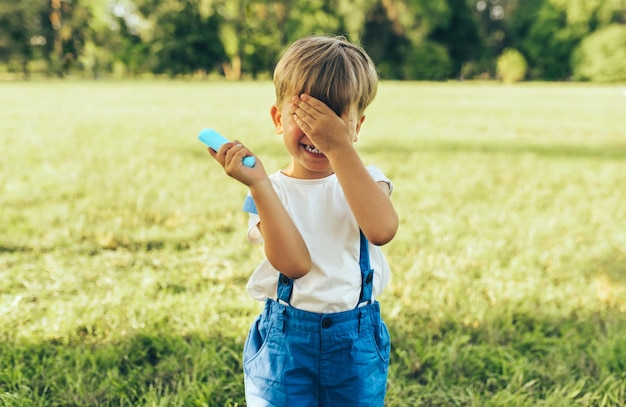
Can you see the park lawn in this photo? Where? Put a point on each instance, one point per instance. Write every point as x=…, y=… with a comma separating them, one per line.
x=123, y=258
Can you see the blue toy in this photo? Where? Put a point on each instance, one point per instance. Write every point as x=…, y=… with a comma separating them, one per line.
x=215, y=140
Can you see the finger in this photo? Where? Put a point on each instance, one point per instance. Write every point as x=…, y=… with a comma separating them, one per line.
x=237, y=153
x=232, y=150
x=315, y=104
x=225, y=148
x=303, y=121
x=300, y=116
x=304, y=109
x=216, y=156
x=220, y=155
x=239, y=147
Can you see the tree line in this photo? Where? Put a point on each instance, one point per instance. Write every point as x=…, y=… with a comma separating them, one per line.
x=407, y=39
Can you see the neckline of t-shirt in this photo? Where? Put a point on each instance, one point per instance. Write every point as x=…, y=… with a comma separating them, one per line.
x=309, y=181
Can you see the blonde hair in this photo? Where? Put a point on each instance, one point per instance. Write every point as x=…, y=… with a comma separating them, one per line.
x=328, y=68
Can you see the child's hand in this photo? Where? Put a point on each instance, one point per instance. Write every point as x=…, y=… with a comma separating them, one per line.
x=323, y=127
x=231, y=155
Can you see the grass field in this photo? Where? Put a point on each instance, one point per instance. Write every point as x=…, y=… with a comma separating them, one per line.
x=123, y=258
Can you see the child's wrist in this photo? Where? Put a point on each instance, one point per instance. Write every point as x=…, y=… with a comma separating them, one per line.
x=260, y=186
x=340, y=151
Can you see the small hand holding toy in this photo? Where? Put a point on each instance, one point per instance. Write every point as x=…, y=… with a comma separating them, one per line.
x=215, y=140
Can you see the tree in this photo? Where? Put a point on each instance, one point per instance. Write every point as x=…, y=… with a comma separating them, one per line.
x=592, y=14
x=265, y=34
x=407, y=39
x=548, y=31
x=188, y=41
x=353, y=16
x=550, y=43
x=21, y=36
x=272, y=25
x=601, y=56
x=493, y=17
x=397, y=35
x=460, y=34
x=385, y=42
x=511, y=66
x=428, y=61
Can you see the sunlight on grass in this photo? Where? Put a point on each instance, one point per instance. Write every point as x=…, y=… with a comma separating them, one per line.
x=124, y=260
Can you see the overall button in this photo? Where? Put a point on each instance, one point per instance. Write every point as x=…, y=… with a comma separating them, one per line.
x=326, y=323
x=369, y=278
x=284, y=280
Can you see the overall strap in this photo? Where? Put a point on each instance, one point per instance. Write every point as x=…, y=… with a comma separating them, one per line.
x=367, y=274
x=285, y=284
x=285, y=287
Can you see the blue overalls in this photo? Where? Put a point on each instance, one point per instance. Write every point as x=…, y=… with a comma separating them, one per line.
x=296, y=358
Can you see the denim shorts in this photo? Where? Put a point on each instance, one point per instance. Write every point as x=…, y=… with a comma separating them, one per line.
x=295, y=358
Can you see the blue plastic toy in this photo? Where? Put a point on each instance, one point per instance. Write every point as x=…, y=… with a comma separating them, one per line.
x=215, y=140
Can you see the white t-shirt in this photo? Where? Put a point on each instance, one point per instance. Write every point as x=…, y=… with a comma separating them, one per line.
x=320, y=211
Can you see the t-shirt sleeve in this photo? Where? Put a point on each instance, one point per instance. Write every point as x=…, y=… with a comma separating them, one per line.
x=378, y=176
x=254, y=234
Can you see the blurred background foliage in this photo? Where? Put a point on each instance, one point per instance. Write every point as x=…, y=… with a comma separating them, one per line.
x=408, y=39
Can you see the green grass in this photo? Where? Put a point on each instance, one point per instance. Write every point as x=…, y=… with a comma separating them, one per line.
x=123, y=258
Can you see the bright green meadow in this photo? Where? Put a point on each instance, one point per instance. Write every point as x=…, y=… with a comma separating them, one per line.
x=123, y=257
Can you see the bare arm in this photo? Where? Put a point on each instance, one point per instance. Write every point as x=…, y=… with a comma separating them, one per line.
x=284, y=247
x=334, y=136
x=368, y=200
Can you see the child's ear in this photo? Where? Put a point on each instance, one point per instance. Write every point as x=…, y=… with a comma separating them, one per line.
x=277, y=118
x=358, y=128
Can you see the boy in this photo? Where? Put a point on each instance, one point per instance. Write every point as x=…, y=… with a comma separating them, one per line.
x=320, y=340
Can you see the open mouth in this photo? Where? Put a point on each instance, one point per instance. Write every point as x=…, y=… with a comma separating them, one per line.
x=312, y=149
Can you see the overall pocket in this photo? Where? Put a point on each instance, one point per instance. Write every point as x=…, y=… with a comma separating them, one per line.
x=256, y=340
x=382, y=340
